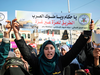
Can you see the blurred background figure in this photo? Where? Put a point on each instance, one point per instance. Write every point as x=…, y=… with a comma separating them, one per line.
x=18, y=54
x=74, y=65
x=11, y=54
x=82, y=72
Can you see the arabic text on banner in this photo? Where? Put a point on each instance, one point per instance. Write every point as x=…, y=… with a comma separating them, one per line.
x=49, y=20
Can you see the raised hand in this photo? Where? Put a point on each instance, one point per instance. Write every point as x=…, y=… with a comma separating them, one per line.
x=91, y=26
x=8, y=26
x=15, y=26
x=96, y=54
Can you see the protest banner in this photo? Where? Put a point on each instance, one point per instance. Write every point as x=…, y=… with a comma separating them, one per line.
x=49, y=20
x=3, y=18
x=96, y=35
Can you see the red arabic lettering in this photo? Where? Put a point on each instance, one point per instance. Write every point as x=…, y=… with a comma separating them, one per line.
x=53, y=21
x=70, y=23
x=38, y=22
x=45, y=23
x=58, y=22
x=67, y=23
x=63, y=23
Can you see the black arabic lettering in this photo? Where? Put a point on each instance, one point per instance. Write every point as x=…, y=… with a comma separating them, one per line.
x=40, y=16
x=61, y=17
x=69, y=17
x=47, y=16
x=33, y=16
x=75, y=17
x=52, y=16
x=55, y=16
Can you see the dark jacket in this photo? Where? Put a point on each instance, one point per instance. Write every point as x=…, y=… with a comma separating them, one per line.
x=63, y=61
x=19, y=70
x=86, y=59
x=96, y=70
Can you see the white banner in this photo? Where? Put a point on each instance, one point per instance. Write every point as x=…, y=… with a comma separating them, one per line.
x=49, y=20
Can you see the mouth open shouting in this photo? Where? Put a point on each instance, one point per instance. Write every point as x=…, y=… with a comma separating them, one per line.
x=49, y=51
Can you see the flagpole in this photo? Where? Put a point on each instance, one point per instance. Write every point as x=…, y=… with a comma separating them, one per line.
x=68, y=7
x=70, y=30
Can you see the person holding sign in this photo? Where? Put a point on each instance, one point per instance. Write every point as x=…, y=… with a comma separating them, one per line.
x=89, y=56
x=49, y=61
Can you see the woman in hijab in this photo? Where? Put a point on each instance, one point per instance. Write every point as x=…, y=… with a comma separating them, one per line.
x=74, y=65
x=64, y=50
x=49, y=61
x=15, y=66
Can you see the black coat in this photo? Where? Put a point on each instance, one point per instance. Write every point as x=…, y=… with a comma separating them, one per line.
x=63, y=61
x=86, y=59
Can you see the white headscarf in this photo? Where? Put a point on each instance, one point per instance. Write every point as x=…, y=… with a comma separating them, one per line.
x=11, y=54
x=65, y=47
x=75, y=61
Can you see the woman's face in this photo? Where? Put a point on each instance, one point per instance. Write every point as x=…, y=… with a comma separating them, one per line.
x=63, y=51
x=49, y=51
x=18, y=54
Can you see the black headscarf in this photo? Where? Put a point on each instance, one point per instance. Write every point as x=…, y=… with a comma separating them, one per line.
x=20, y=70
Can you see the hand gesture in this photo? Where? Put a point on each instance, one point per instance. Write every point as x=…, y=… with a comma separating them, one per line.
x=15, y=26
x=96, y=53
x=8, y=26
x=91, y=26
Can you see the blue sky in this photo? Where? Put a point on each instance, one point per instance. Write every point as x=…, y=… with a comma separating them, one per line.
x=76, y=6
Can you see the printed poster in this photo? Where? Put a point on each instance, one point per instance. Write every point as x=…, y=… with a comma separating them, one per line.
x=3, y=18
x=97, y=25
x=96, y=35
x=50, y=20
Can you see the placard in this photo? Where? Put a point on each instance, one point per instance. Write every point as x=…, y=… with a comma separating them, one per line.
x=97, y=25
x=3, y=18
x=96, y=38
x=49, y=20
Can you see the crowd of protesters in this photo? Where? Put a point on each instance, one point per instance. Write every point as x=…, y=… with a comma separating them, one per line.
x=80, y=59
